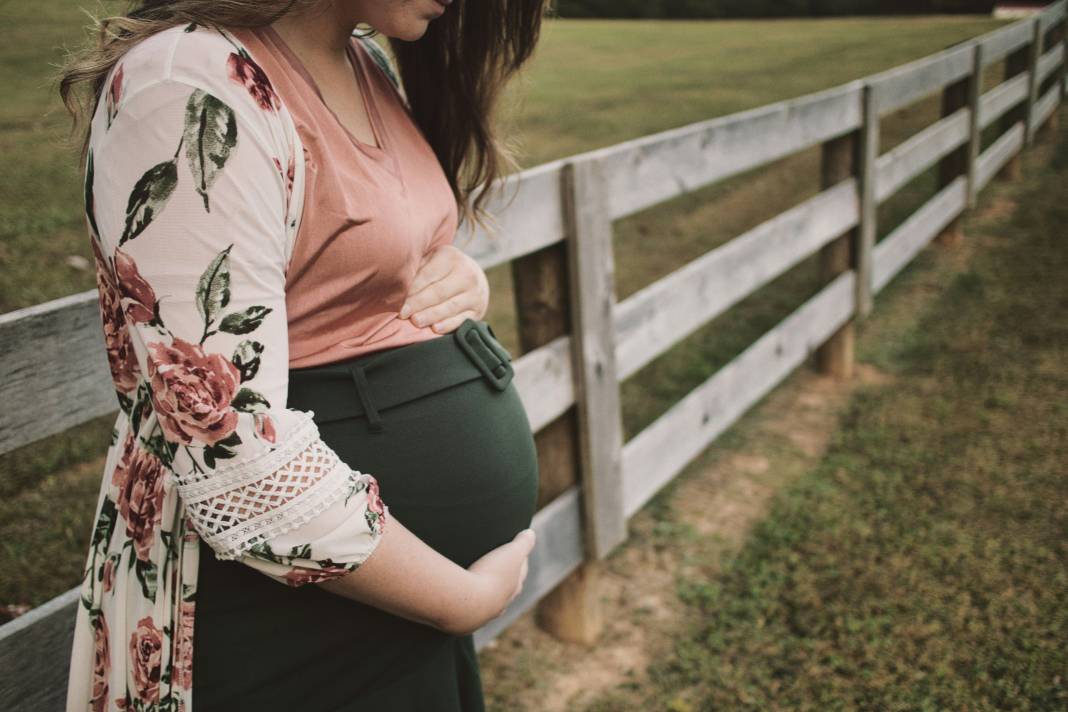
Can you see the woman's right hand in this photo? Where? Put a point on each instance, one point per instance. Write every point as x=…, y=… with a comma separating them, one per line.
x=407, y=577
x=497, y=578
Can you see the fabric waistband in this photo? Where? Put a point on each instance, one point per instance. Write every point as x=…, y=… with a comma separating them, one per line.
x=401, y=374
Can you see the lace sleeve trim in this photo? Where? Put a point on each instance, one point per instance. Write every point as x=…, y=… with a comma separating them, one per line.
x=236, y=508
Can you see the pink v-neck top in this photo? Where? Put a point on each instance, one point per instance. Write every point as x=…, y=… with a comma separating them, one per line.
x=371, y=212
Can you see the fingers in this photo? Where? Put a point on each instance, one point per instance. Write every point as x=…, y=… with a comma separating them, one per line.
x=433, y=267
x=451, y=323
x=448, y=287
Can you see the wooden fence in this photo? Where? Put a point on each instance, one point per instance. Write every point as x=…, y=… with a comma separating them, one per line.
x=578, y=343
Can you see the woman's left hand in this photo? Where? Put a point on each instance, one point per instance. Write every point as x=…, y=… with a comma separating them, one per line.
x=448, y=287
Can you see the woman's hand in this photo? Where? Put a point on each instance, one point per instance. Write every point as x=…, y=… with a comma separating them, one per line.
x=448, y=287
x=498, y=577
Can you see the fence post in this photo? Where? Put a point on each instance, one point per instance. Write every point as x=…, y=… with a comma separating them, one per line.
x=955, y=163
x=571, y=611
x=869, y=153
x=592, y=287
x=1035, y=51
x=1015, y=64
x=975, y=134
x=1064, y=60
x=840, y=161
x=1057, y=36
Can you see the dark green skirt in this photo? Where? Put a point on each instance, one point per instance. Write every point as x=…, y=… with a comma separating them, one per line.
x=441, y=427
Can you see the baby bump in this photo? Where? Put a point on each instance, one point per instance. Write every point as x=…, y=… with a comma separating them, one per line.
x=458, y=467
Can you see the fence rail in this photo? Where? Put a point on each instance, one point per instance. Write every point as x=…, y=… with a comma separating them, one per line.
x=556, y=233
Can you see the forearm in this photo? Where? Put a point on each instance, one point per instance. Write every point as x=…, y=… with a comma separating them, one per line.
x=408, y=578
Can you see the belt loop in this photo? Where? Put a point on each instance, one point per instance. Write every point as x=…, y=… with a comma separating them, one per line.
x=374, y=421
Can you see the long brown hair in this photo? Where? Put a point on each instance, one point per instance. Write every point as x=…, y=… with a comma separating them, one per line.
x=452, y=76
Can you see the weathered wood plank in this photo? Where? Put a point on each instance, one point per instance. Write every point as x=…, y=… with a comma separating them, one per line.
x=903, y=85
x=55, y=370
x=652, y=320
x=557, y=552
x=657, y=454
x=529, y=217
x=1001, y=98
x=1034, y=52
x=899, y=247
x=1052, y=14
x=592, y=287
x=34, y=352
x=839, y=161
x=572, y=611
x=869, y=156
x=1047, y=105
x=1004, y=41
x=975, y=134
x=545, y=383
x=1050, y=61
x=652, y=169
x=35, y=655
x=999, y=153
x=897, y=167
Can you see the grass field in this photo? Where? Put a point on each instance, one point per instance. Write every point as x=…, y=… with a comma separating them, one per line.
x=687, y=71
x=922, y=564
x=895, y=542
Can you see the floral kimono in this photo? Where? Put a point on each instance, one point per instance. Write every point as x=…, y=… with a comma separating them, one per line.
x=193, y=193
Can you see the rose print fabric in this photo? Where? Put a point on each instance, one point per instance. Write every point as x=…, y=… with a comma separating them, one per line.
x=193, y=198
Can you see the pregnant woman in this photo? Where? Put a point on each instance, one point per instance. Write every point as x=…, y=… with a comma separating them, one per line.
x=321, y=471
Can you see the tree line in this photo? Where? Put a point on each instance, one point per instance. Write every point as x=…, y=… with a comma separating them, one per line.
x=763, y=8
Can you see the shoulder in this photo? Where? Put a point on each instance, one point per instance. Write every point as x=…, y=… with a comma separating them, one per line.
x=192, y=57
x=201, y=82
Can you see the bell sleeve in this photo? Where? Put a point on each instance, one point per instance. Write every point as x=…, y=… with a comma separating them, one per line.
x=186, y=203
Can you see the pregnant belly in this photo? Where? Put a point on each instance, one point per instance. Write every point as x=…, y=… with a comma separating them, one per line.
x=458, y=467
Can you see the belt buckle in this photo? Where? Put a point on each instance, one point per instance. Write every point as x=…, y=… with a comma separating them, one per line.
x=476, y=339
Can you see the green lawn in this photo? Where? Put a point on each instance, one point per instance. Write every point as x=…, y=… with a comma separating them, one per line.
x=685, y=71
x=923, y=563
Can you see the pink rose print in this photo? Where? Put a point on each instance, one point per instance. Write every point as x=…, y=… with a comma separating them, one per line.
x=264, y=426
x=140, y=475
x=146, y=654
x=101, y=664
x=109, y=574
x=192, y=391
x=122, y=359
x=183, y=664
x=374, y=502
x=114, y=95
x=288, y=175
x=249, y=74
x=300, y=576
x=118, y=475
x=133, y=287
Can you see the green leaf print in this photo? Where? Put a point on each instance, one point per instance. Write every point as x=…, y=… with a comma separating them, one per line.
x=221, y=450
x=160, y=447
x=246, y=359
x=300, y=551
x=90, y=210
x=244, y=322
x=142, y=405
x=210, y=136
x=125, y=404
x=249, y=401
x=213, y=290
x=146, y=576
x=105, y=523
x=148, y=197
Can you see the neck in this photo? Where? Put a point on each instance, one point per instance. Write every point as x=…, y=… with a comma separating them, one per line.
x=325, y=33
